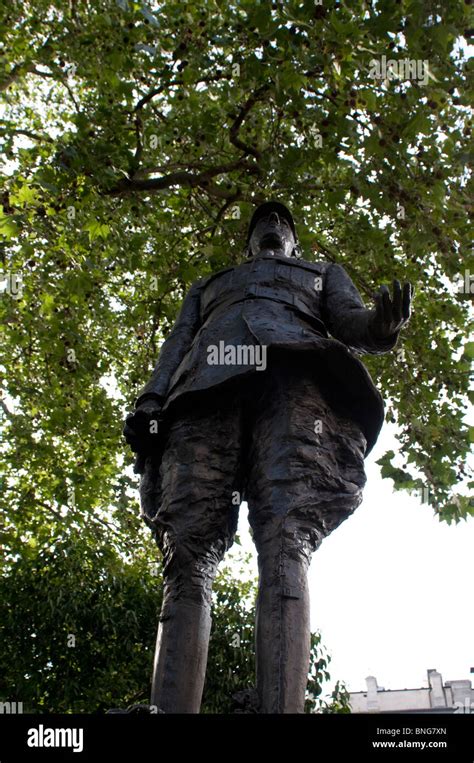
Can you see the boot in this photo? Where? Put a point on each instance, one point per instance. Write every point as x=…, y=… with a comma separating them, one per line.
x=283, y=643
x=181, y=657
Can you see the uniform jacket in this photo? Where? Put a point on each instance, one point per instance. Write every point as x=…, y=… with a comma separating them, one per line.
x=277, y=302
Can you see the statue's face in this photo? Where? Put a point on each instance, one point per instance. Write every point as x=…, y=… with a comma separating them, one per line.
x=273, y=233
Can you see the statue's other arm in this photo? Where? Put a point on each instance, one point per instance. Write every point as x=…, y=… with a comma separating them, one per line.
x=175, y=346
x=141, y=426
x=367, y=331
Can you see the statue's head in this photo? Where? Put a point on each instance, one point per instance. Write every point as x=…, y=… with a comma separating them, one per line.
x=272, y=229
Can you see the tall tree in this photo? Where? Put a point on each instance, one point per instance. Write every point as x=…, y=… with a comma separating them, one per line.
x=136, y=139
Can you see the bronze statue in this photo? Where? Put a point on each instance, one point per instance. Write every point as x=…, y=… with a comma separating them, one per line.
x=257, y=395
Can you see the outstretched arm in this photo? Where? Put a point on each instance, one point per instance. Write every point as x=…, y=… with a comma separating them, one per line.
x=348, y=320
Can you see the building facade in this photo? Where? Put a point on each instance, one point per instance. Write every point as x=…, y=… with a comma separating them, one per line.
x=437, y=697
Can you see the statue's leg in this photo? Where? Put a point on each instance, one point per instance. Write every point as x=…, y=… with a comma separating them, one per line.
x=282, y=625
x=304, y=480
x=195, y=525
x=179, y=667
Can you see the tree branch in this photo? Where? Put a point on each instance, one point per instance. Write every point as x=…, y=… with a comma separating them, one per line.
x=6, y=409
x=179, y=82
x=23, y=68
x=182, y=178
x=244, y=110
x=27, y=133
x=15, y=74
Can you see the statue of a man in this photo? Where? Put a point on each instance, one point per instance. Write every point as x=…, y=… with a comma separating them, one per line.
x=258, y=396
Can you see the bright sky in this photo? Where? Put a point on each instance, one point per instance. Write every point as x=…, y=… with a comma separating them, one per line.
x=391, y=588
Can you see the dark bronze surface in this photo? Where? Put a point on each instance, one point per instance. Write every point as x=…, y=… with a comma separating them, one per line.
x=283, y=418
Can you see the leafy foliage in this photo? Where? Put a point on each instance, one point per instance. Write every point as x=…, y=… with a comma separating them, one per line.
x=136, y=141
x=79, y=627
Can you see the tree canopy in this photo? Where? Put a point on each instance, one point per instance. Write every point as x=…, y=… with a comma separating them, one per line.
x=137, y=138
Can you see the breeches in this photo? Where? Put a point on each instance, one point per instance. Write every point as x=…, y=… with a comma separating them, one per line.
x=271, y=439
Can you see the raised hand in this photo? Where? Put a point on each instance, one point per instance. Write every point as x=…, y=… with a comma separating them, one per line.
x=391, y=314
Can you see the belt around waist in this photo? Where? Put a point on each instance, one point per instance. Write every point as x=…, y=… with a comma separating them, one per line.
x=297, y=305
